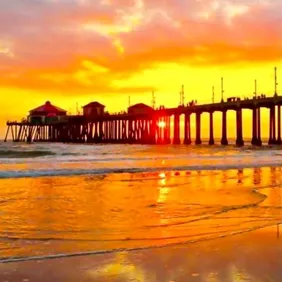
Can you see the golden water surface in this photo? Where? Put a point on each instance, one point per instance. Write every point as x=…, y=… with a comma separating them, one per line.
x=64, y=215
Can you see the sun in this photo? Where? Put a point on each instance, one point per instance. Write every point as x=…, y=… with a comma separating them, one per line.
x=161, y=124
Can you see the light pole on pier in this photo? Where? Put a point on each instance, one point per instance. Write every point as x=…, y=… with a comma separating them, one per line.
x=183, y=97
x=275, y=81
x=222, y=90
x=181, y=94
x=255, y=93
x=213, y=94
x=153, y=100
x=129, y=101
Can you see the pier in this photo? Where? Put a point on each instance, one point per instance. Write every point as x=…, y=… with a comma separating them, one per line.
x=142, y=124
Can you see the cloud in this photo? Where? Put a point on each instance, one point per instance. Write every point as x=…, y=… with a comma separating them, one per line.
x=44, y=44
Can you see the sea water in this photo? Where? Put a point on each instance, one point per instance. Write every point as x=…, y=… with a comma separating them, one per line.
x=61, y=200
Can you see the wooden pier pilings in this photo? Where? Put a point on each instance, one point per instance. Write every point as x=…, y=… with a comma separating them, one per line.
x=142, y=131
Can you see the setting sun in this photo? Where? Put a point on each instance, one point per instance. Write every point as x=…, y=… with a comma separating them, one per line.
x=161, y=124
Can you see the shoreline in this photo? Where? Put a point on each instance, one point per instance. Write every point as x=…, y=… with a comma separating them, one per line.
x=130, y=250
x=172, y=263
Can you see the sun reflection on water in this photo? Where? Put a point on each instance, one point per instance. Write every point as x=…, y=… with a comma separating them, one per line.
x=121, y=267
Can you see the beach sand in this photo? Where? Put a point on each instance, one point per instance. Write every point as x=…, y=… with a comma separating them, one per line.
x=254, y=256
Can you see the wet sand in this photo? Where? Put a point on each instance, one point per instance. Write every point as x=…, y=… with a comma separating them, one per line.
x=254, y=256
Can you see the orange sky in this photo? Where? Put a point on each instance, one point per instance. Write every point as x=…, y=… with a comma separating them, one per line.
x=78, y=51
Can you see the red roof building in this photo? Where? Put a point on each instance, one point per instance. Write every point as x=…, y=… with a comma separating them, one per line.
x=47, y=110
x=94, y=105
x=140, y=109
x=93, y=109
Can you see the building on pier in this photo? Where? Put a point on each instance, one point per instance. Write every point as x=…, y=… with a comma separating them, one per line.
x=140, y=109
x=46, y=113
x=93, y=110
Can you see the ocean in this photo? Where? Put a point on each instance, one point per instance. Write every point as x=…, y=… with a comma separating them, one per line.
x=61, y=200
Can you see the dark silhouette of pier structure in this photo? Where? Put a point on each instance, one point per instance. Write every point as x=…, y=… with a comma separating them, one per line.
x=142, y=124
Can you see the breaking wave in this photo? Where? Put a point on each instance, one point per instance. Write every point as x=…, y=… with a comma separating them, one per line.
x=24, y=154
x=102, y=171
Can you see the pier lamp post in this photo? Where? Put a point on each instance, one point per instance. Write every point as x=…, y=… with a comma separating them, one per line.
x=222, y=91
x=275, y=81
x=153, y=100
x=181, y=96
x=213, y=94
x=255, y=93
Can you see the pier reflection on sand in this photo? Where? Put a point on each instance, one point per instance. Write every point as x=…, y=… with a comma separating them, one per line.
x=100, y=214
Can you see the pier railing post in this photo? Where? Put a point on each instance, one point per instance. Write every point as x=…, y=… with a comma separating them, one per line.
x=187, y=129
x=239, y=126
x=96, y=135
x=130, y=131
x=224, y=140
x=274, y=125
x=272, y=137
x=279, y=125
x=259, y=142
x=159, y=131
x=7, y=133
x=168, y=130
x=153, y=128
x=101, y=131
x=198, y=128
x=255, y=127
x=211, y=140
x=176, y=137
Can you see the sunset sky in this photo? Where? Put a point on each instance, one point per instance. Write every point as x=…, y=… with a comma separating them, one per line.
x=77, y=51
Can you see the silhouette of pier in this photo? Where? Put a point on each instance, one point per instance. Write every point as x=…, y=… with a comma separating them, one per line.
x=142, y=124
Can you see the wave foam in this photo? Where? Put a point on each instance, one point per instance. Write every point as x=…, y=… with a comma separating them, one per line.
x=102, y=171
